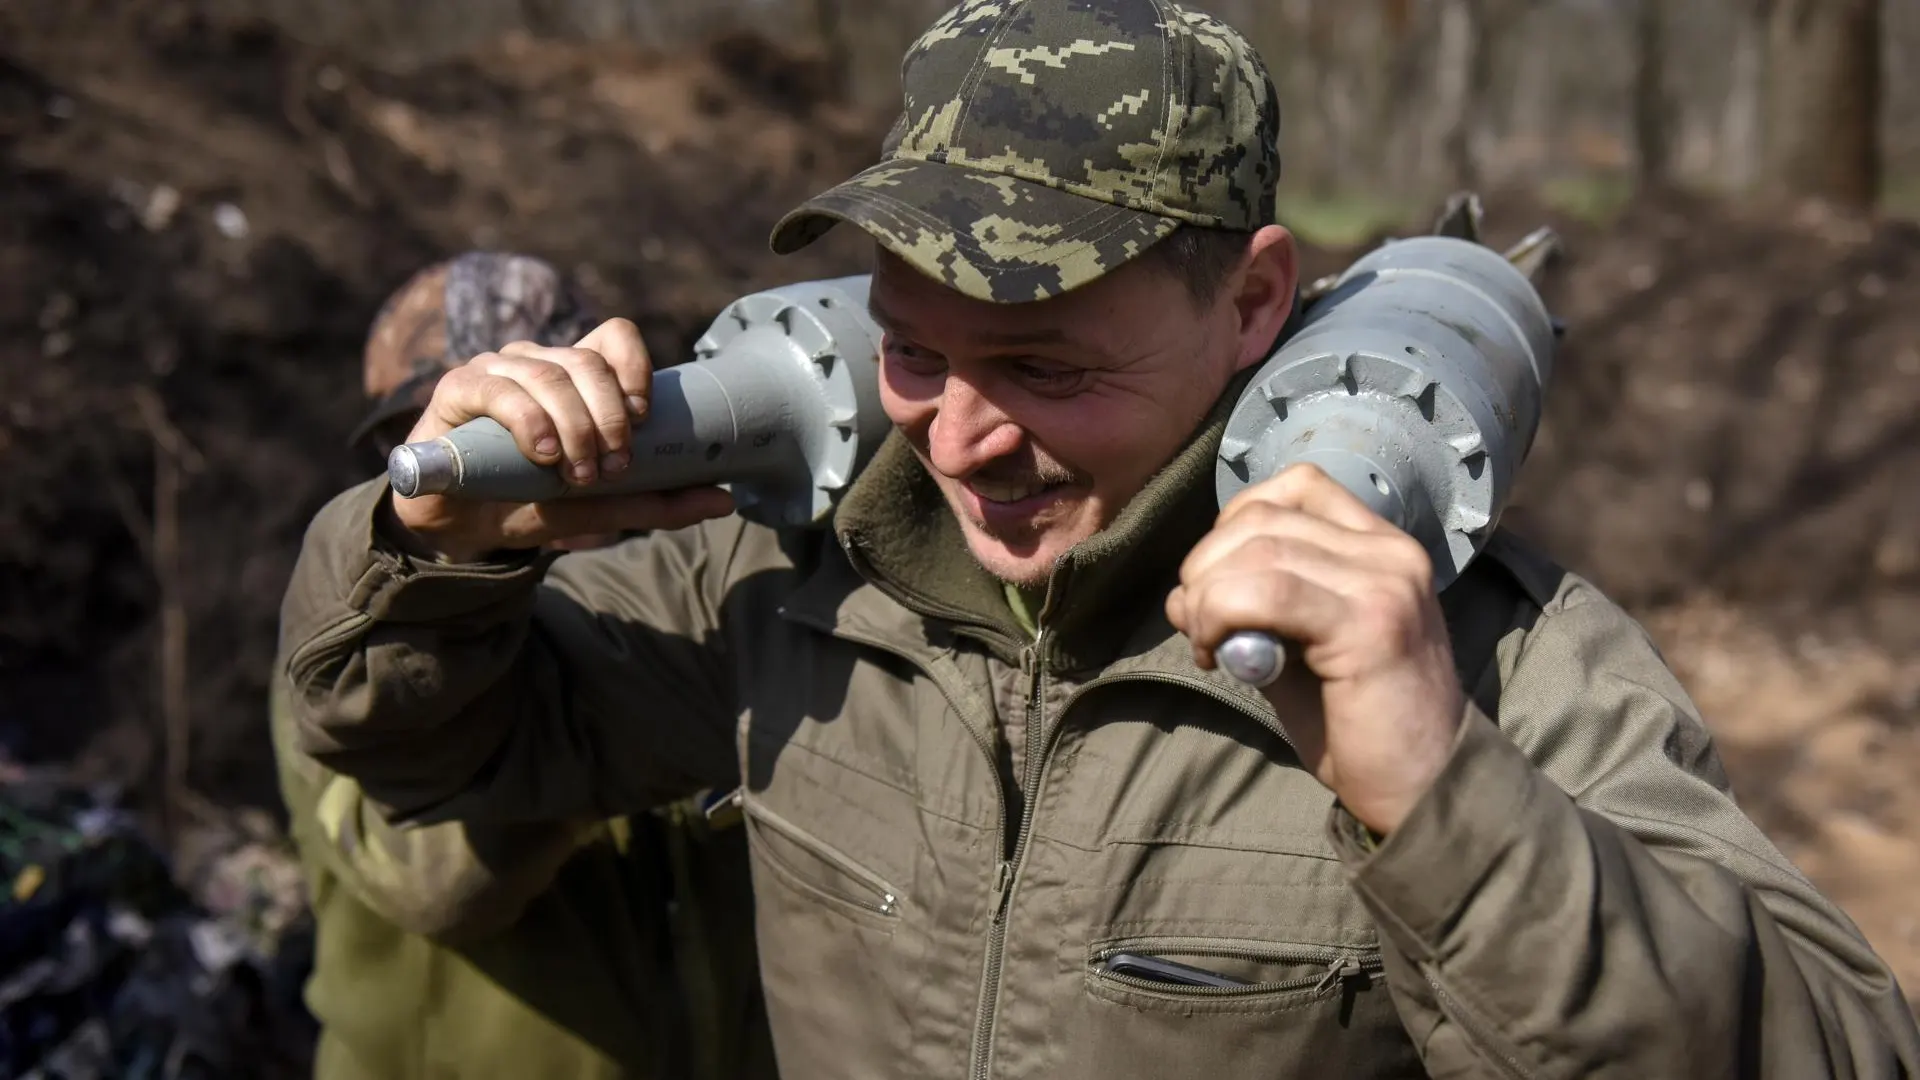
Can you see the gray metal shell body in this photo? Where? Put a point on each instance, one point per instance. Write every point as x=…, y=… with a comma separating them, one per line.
x=781, y=404
x=1416, y=382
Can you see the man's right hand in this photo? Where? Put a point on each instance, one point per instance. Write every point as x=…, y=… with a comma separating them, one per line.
x=571, y=407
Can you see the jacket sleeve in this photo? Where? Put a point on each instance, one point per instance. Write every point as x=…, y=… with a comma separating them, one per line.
x=525, y=690
x=453, y=880
x=1579, y=896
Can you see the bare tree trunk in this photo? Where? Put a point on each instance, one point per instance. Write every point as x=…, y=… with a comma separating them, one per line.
x=1332, y=94
x=1396, y=18
x=1403, y=48
x=1486, y=24
x=1460, y=48
x=173, y=458
x=1652, y=109
x=1740, y=122
x=1822, y=113
x=1533, y=117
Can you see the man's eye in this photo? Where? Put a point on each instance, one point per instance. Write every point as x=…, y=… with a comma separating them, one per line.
x=912, y=358
x=1047, y=377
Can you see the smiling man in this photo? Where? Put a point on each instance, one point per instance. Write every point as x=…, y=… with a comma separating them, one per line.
x=1006, y=820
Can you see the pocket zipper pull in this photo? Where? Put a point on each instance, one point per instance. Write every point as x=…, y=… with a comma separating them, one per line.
x=1338, y=972
x=730, y=800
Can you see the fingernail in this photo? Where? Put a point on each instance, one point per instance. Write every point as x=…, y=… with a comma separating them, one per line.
x=636, y=405
x=583, y=470
x=548, y=445
x=614, y=462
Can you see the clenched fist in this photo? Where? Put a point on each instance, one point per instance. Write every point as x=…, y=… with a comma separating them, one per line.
x=1373, y=704
x=572, y=407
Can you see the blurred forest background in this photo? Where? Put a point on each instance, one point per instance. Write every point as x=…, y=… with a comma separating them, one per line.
x=202, y=203
x=1391, y=100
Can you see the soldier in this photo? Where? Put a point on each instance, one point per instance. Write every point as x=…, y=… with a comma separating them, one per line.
x=1006, y=818
x=584, y=948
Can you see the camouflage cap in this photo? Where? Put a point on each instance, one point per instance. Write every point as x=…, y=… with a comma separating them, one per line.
x=1045, y=142
x=455, y=310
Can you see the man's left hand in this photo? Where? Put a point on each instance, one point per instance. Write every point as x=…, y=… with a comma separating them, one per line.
x=1369, y=698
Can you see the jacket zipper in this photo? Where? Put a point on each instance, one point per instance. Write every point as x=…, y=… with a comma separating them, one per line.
x=1341, y=964
x=1033, y=659
x=1482, y=1033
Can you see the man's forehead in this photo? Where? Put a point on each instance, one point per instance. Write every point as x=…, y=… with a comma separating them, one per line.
x=906, y=302
x=1038, y=333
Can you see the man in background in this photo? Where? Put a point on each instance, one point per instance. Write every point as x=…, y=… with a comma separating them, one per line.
x=619, y=948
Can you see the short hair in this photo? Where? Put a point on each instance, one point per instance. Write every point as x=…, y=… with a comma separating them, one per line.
x=1200, y=257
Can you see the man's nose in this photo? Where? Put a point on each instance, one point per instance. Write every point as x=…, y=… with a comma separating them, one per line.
x=969, y=430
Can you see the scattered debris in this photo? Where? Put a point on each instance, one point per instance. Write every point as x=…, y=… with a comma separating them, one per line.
x=231, y=221
x=154, y=207
x=109, y=969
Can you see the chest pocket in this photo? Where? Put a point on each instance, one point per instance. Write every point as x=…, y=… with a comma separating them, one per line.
x=1201, y=821
x=1201, y=915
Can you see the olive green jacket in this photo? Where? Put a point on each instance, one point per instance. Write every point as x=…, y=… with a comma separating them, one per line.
x=619, y=950
x=1577, y=896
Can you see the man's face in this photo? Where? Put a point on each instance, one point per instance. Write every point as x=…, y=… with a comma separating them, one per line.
x=1040, y=421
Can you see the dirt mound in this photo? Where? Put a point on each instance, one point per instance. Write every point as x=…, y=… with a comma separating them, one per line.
x=1820, y=739
x=1736, y=412
x=198, y=220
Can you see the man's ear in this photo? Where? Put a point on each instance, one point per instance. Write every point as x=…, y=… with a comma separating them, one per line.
x=1267, y=287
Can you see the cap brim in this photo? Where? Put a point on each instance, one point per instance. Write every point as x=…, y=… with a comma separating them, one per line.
x=992, y=237
x=409, y=396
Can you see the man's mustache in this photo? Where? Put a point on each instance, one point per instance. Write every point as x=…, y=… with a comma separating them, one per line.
x=1037, y=472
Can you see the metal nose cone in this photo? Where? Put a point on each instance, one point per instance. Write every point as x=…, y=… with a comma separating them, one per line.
x=422, y=468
